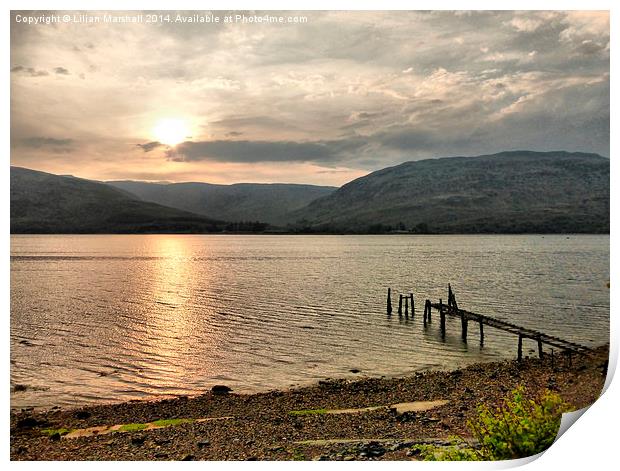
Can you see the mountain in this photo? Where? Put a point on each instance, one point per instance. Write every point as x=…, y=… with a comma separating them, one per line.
x=269, y=203
x=46, y=203
x=511, y=192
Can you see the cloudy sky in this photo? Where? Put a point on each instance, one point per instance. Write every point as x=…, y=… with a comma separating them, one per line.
x=321, y=102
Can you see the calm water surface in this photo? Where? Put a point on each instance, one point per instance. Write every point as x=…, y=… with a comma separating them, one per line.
x=116, y=317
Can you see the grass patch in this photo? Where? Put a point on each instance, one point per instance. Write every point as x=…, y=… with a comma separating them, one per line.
x=308, y=412
x=52, y=431
x=169, y=422
x=157, y=423
x=132, y=427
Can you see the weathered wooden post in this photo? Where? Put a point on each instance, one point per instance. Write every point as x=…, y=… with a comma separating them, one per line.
x=389, y=301
x=540, y=348
x=520, y=349
x=406, y=306
x=481, y=333
x=427, y=307
x=442, y=323
x=412, y=305
x=449, y=295
x=463, y=327
x=400, y=304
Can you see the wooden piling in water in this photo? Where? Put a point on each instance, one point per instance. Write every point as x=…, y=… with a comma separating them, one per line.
x=520, y=348
x=406, y=306
x=412, y=304
x=400, y=304
x=449, y=295
x=464, y=328
x=463, y=320
x=389, y=301
x=442, y=323
x=540, y=348
x=481, y=333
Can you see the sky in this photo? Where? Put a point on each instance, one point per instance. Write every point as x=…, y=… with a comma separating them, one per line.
x=321, y=101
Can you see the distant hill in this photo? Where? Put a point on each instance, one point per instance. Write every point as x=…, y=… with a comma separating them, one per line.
x=269, y=203
x=510, y=192
x=46, y=203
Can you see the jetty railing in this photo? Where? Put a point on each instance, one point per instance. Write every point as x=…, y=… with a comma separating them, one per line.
x=452, y=309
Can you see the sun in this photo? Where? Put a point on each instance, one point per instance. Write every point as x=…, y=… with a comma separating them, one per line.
x=171, y=131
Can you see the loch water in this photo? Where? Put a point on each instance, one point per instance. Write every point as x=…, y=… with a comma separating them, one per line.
x=110, y=318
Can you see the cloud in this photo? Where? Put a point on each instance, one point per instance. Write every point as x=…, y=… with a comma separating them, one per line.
x=29, y=71
x=251, y=151
x=589, y=46
x=149, y=146
x=254, y=122
x=411, y=139
x=38, y=142
x=529, y=22
x=266, y=151
x=58, y=146
x=580, y=25
x=32, y=72
x=363, y=115
x=359, y=90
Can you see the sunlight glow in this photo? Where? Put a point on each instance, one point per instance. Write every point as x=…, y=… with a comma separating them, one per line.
x=171, y=131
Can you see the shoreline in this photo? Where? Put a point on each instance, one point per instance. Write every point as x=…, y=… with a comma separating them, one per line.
x=314, y=233
x=356, y=377
x=333, y=419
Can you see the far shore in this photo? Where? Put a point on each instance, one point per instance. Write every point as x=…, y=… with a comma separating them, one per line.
x=332, y=420
x=285, y=233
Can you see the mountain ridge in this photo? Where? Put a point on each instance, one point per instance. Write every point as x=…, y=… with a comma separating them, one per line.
x=520, y=191
x=265, y=202
x=506, y=192
x=45, y=203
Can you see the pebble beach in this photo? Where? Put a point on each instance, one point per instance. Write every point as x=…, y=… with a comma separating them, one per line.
x=335, y=419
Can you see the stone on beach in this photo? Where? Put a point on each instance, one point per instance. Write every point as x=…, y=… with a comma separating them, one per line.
x=220, y=389
x=417, y=406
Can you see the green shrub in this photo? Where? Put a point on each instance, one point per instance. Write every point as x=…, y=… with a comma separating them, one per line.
x=520, y=427
x=447, y=453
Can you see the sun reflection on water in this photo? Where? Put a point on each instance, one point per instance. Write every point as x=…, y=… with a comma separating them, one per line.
x=177, y=326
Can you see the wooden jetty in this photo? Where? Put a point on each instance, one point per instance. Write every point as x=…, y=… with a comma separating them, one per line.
x=451, y=309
